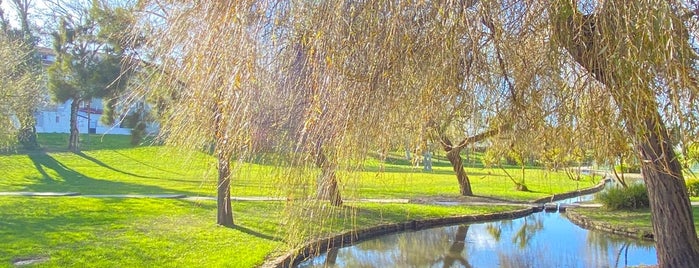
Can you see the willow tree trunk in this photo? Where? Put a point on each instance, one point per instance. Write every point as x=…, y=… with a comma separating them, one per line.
x=671, y=212
x=327, y=180
x=454, y=156
x=223, y=197
x=74, y=140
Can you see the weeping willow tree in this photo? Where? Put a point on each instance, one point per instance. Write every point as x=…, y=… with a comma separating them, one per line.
x=641, y=52
x=564, y=69
x=428, y=69
x=332, y=81
x=209, y=56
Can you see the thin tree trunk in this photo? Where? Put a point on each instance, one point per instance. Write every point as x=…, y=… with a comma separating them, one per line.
x=223, y=197
x=74, y=140
x=327, y=180
x=673, y=223
x=457, y=164
x=620, y=178
x=224, y=214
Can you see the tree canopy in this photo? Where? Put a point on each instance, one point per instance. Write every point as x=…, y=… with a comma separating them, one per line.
x=89, y=59
x=341, y=79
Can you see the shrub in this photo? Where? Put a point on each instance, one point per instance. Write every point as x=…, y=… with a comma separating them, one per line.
x=633, y=197
x=693, y=187
x=628, y=168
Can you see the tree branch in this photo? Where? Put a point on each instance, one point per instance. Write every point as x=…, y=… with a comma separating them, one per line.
x=481, y=136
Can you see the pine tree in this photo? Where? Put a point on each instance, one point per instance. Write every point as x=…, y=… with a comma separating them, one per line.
x=87, y=66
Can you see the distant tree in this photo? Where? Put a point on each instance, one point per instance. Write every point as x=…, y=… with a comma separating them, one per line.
x=27, y=135
x=88, y=64
x=22, y=77
x=21, y=85
x=115, y=29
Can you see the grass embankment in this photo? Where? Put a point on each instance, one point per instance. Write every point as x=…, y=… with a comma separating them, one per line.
x=81, y=231
x=637, y=219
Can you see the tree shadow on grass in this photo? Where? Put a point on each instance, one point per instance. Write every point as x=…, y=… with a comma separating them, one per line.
x=56, y=176
x=102, y=164
x=146, y=164
x=254, y=233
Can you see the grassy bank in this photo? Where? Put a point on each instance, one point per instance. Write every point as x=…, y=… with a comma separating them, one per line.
x=637, y=219
x=79, y=231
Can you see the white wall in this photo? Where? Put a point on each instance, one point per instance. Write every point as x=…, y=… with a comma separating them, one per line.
x=56, y=119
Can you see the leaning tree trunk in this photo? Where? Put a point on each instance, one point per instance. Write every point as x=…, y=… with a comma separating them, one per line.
x=671, y=211
x=73, y=142
x=327, y=180
x=223, y=196
x=454, y=156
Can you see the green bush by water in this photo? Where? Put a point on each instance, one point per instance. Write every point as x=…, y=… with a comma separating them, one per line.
x=693, y=187
x=633, y=197
x=628, y=168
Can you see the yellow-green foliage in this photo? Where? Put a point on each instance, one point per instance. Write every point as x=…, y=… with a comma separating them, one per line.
x=20, y=89
x=693, y=187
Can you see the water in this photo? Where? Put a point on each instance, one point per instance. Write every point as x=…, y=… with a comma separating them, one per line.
x=538, y=240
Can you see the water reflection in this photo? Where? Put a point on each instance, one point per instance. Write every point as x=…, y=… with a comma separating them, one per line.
x=538, y=240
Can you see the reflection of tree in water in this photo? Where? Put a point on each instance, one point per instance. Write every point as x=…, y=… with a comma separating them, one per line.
x=600, y=245
x=530, y=226
x=454, y=254
x=521, y=237
x=412, y=249
x=415, y=249
x=527, y=231
x=331, y=257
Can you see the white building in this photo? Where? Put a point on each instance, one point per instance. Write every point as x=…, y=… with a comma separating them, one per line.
x=56, y=119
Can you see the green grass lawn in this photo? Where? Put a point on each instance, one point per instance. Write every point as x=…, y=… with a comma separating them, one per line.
x=79, y=232
x=112, y=165
x=82, y=231
x=96, y=232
